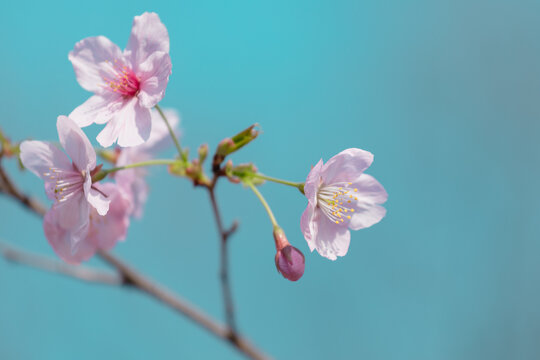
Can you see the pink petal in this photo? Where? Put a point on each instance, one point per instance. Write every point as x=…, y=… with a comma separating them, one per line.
x=312, y=183
x=68, y=244
x=39, y=157
x=159, y=138
x=129, y=127
x=154, y=74
x=137, y=126
x=107, y=230
x=132, y=180
x=370, y=190
x=76, y=144
x=148, y=35
x=139, y=190
x=96, y=198
x=110, y=133
x=367, y=211
x=331, y=240
x=97, y=109
x=93, y=60
x=346, y=166
x=73, y=213
x=309, y=226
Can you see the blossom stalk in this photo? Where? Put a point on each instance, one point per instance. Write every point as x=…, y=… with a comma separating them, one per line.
x=171, y=132
x=298, y=185
x=264, y=203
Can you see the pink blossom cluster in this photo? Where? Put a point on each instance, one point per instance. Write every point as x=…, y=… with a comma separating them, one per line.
x=88, y=215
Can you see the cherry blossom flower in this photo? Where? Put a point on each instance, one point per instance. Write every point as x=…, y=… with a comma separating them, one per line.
x=68, y=183
x=340, y=197
x=102, y=232
x=132, y=180
x=126, y=85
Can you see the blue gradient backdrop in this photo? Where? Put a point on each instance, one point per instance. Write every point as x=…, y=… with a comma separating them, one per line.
x=445, y=94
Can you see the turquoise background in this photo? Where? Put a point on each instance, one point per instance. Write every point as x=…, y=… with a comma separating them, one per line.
x=444, y=93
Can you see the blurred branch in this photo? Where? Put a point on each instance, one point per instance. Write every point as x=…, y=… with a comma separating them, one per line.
x=55, y=266
x=126, y=275
x=8, y=187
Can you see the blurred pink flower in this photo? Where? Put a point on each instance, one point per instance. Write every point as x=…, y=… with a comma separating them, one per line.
x=126, y=85
x=132, y=181
x=340, y=197
x=102, y=232
x=68, y=183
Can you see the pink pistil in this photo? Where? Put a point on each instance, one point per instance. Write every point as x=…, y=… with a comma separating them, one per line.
x=125, y=82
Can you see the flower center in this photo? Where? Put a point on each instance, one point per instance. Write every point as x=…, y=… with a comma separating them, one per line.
x=66, y=182
x=125, y=82
x=337, y=201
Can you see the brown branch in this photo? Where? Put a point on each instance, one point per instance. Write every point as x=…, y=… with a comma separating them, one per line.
x=182, y=306
x=8, y=187
x=132, y=278
x=224, y=263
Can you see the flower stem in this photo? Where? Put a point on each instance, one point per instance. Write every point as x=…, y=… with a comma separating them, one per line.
x=298, y=185
x=265, y=204
x=171, y=131
x=141, y=164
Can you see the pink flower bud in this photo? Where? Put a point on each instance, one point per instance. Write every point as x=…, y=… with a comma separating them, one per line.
x=290, y=261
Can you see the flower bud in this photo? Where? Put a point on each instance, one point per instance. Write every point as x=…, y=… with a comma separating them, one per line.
x=290, y=261
x=203, y=152
x=225, y=147
x=230, y=145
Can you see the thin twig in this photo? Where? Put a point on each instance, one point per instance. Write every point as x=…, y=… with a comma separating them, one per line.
x=133, y=278
x=224, y=260
x=55, y=266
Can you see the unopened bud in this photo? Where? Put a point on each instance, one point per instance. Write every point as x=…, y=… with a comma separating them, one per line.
x=203, y=152
x=230, y=145
x=225, y=147
x=290, y=261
